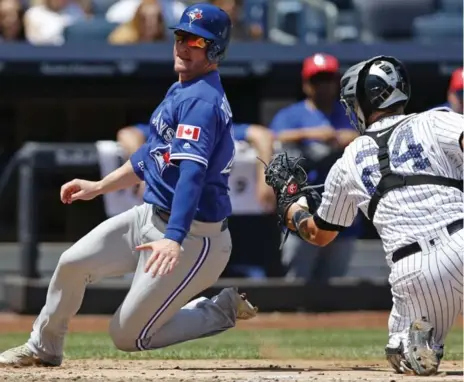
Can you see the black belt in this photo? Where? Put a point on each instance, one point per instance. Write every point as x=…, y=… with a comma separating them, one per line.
x=415, y=247
x=164, y=216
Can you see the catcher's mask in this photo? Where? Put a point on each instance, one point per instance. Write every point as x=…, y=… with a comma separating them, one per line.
x=376, y=84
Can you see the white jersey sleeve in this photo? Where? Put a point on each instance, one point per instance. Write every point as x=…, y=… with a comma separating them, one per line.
x=448, y=129
x=338, y=208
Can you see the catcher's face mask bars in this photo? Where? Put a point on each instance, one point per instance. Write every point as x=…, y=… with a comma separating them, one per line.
x=283, y=178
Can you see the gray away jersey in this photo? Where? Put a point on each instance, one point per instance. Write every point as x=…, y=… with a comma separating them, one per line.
x=426, y=144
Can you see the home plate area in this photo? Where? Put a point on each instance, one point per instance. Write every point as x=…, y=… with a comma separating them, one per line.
x=272, y=364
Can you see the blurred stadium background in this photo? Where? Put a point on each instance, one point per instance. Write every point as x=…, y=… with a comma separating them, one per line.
x=75, y=72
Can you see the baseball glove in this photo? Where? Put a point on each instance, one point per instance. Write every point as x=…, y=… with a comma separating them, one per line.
x=289, y=181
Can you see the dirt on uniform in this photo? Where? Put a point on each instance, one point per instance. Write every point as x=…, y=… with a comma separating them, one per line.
x=273, y=369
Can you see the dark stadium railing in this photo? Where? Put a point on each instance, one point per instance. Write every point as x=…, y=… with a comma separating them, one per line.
x=32, y=161
x=27, y=59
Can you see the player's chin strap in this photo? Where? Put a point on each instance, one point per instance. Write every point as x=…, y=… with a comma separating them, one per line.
x=284, y=188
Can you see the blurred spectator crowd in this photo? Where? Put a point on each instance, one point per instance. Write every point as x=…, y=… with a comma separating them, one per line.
x=55, y=22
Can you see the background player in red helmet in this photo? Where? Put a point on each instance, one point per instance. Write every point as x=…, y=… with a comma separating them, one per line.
x=317, y=128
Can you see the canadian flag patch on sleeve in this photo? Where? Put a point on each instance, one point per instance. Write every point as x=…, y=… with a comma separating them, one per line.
x=189, y=132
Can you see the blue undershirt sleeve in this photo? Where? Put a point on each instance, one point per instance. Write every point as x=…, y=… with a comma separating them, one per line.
x=186, y=198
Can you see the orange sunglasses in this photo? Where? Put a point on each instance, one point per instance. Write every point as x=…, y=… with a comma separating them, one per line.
x=192, y=40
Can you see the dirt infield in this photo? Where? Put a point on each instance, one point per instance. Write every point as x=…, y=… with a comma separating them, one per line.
x=348, y=320
x=273, y=369
x=90, y=323
x=220, y=371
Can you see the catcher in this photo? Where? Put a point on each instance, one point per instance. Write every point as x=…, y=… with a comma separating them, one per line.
x=405, y=174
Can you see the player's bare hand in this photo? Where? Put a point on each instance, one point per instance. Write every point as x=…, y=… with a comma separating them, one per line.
x=164, y=256
x=79, y=189
x=265, y=195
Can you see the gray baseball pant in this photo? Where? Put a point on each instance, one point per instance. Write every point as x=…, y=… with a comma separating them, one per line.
x=154, y=313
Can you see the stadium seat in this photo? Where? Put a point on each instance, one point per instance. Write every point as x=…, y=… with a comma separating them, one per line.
x=287, y=17
x=390, y=19
x=343, y=4
x=438, y=27
x=97, y=29
x=451, y=6
x=348, y=26
x=348, y=22
x=294, y=21
x=312, y=25
x=256, y=12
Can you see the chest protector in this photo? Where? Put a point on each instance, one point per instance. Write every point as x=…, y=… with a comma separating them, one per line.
x=390, y=181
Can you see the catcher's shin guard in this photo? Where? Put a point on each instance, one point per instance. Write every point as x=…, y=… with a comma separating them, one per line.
x=422, y=356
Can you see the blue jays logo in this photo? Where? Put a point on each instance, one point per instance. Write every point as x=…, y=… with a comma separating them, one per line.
x=161, y=156
x=196, y=14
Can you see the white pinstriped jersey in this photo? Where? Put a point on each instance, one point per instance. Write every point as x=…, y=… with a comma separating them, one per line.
x=428, y=143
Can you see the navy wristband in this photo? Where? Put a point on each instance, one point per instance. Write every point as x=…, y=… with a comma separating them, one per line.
x=298, y=217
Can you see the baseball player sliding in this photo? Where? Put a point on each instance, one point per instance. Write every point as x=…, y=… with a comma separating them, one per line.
x=405, y=174
x=177, y=242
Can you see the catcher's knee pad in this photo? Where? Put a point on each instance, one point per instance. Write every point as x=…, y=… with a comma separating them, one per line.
x=397, y=360
x=422, y=353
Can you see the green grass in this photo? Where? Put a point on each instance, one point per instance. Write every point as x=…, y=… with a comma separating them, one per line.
x=243, y=344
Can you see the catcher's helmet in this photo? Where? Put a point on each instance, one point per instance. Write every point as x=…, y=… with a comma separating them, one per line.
x=375, y=84
x=211, y=23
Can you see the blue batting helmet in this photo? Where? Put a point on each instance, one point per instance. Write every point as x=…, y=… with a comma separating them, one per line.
x=211, y=23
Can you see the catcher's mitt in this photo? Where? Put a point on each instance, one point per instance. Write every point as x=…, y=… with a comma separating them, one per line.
x=289, y=181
